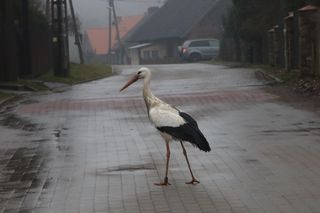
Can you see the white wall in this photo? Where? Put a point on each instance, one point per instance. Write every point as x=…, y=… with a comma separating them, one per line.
x=155, y=47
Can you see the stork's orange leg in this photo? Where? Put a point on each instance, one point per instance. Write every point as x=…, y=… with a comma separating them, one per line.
x=165, y=181
x=194, y=180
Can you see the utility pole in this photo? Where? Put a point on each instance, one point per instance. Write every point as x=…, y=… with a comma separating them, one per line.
x=48, y=10
x=66, y=36
x=281, y=15
x=76, y=33
x=25, y=38
x=110, y=33
x=60, y=55
x=117, y=29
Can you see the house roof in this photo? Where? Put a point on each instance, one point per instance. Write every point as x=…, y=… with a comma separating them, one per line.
x=98, y=36
x=138, y=46
x=173, y=20
x=308, y=8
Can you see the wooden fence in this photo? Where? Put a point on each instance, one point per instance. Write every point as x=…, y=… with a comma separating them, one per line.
x=25, y=49
x=291, y=45
x=301, y=43
x=40, y=51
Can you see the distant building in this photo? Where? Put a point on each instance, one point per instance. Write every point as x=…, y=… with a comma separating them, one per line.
x=157, y=38
x=96, y=39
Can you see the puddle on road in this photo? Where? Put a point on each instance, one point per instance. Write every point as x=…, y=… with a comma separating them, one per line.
x=25, y=158
x=13, y=121
x=252, y=161
x=56, y=138
x=20, y=167
x=30, y=101
x=300, y=130
x=40, y=140
x=126, y=168
x=23, y=172
x=56, y=134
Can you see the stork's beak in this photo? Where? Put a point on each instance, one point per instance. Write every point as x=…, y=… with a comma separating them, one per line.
x=131, y=81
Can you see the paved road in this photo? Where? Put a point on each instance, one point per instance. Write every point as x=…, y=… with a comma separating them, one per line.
x=91, y=149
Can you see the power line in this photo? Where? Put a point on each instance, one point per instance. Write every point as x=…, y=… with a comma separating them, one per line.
x=76, y=32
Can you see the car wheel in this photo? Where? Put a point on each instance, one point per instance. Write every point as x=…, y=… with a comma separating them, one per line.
x=194, y=57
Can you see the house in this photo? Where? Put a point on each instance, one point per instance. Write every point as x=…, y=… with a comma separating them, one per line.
x=96, y=47
x=156, y=40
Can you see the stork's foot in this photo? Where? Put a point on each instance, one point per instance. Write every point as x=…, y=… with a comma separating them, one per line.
x=193, y=181
x=164, y=183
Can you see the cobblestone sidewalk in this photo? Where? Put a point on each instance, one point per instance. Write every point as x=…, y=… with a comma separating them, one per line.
x=91, y=149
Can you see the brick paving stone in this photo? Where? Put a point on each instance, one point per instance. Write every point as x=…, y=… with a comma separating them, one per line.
x=91, y=149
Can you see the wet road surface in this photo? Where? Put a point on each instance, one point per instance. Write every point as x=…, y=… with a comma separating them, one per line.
x=91, y=149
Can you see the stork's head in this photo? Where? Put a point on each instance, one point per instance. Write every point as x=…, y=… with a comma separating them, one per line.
x=143, y=72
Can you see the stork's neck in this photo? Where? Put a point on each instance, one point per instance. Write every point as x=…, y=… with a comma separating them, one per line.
x=147, y=94
x=146, y=87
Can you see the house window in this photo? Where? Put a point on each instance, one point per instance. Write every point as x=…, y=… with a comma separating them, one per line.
x=150, y=54
x=199, y=44
x=146, y=54
x=155, y=54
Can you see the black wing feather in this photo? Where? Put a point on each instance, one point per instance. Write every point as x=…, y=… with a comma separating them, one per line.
x=188, y=132
x=188, y=119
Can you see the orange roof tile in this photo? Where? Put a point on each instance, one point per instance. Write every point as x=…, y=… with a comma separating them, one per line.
x=99, y=36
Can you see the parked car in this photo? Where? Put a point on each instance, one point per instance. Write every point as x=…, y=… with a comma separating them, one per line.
x=199, y=49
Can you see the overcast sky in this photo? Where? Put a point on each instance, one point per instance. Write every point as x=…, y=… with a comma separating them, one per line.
x=94, y=12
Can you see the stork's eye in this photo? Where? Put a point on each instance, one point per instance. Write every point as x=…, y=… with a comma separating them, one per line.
x=139, y=72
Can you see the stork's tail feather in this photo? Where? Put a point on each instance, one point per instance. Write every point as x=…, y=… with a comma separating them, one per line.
x=204, y=146
x=196, y=137
x=200, y=141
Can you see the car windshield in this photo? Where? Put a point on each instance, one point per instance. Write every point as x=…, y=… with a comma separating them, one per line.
x=214, y=43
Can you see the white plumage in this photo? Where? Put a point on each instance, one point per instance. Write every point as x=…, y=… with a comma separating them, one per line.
x=161, y=116
x=172, y=123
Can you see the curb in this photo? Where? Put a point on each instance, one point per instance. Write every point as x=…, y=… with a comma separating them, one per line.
x=115, y=70
x=94, y=79
x=269, y=76
x=6, y=100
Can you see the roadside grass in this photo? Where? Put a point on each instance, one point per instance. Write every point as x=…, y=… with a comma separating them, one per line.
x=279, y=73
x=288, y=76
x=283, y=75
x=292, y=80
x=79, y=73
x=4, y=96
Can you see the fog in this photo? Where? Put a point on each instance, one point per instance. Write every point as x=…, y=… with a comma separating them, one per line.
x=95, y=12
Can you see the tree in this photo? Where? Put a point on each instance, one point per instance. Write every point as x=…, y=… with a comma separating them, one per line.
x=36, y=14
x=248, y=21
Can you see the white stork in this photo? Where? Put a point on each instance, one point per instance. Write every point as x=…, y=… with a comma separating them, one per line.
x=171, y=122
